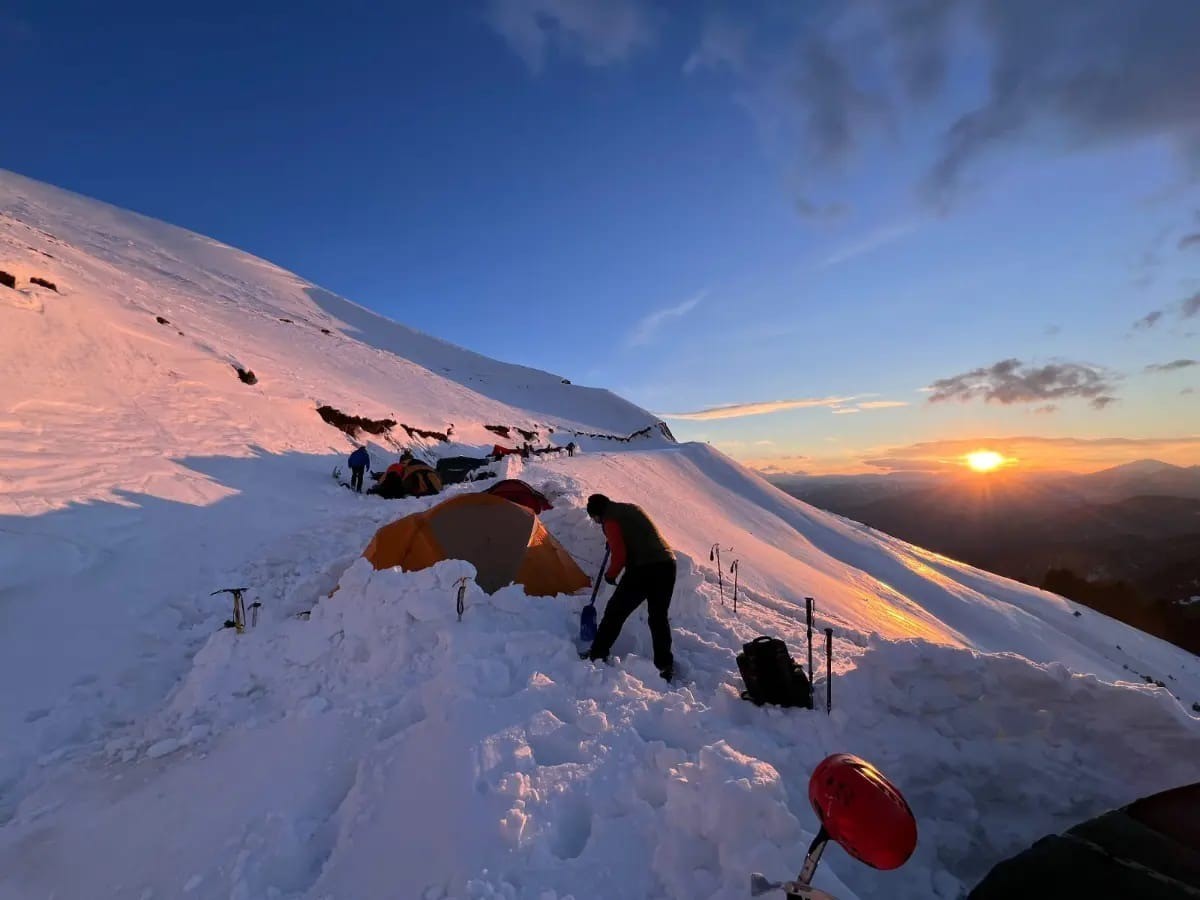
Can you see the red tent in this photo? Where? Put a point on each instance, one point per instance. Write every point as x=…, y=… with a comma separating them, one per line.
x=498, y=451
x=520, y=493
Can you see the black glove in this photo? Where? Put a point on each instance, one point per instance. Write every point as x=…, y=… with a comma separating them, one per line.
x=610, y=580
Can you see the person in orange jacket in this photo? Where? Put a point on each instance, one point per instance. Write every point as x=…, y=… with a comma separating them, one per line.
x=637, y=547
x=398, y=468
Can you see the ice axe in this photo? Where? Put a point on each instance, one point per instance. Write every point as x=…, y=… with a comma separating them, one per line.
x=239, y=610
x=587, y=617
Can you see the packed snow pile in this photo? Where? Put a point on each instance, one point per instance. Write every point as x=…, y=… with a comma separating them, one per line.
x=359, y=739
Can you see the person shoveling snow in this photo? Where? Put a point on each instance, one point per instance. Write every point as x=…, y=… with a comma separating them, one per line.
x=649, y=563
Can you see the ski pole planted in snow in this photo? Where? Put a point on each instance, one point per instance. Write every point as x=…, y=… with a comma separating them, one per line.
x=714, y=555
x=828, y=671
x=733, y=568
x=808, y=611
x=254, y=607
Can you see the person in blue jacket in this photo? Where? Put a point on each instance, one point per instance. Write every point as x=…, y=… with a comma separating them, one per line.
x=358, y=462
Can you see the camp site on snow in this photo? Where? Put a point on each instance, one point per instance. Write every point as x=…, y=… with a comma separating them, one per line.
x=523, y=644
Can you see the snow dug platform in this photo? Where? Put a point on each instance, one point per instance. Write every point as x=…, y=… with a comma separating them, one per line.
x=383, y=748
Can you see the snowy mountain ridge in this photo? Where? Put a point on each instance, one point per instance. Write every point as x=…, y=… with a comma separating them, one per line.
x=368, y=744
x=138, y=346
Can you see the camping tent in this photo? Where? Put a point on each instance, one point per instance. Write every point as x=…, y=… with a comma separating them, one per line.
x=516, y=491
x=505, y=542
x=411, y=478
x=456, y=469
x=1149, y=850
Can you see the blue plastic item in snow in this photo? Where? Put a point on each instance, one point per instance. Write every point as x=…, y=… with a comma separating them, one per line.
x=587, y=618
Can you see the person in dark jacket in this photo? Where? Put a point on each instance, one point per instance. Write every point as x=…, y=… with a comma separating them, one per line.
x=359, y=461
x=636, y=547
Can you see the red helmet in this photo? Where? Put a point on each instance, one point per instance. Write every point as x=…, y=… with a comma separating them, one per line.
x=863, y=811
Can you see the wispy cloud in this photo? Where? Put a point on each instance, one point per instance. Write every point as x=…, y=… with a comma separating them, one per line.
x=599, y=34
x=834, y=83
x=821, y=212
x=1173, y=366
x=1186, y=309
x=845, y=411
x=1189, y=241
x=1082, y=87
x=644, y=331
x=869, y=243
x=741, y=410
x=723, y=44
x=1010, y=381
x=882, y=404
x=1190, y=306
x=777, y=465
x=1149, y=320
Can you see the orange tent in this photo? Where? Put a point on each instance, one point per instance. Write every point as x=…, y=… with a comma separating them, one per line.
x=505, y=542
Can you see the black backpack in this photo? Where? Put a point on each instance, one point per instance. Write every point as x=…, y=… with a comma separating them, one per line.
x=772, y=676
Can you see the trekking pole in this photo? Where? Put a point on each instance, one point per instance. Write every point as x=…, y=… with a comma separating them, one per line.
x=462, y=592
x=808, y=611
x=828, y=671
x=714, y=555
x=254, y=607
x=734, y=569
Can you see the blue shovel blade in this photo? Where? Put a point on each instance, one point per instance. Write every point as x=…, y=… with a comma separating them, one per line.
x=587, y=623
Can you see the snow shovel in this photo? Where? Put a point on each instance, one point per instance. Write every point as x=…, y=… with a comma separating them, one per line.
x=587, y=617
x=859, y=808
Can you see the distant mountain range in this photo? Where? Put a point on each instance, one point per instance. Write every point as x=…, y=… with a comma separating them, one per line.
x=1125, y=540
x=1145, y=477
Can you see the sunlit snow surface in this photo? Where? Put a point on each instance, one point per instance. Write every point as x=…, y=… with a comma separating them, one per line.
x=382, y=748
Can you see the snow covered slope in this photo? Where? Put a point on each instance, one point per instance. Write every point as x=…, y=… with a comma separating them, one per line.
x=123, y=421
x=112, y=395
x=381, y=748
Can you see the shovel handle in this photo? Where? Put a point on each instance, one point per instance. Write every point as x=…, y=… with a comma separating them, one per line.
x=599, y=577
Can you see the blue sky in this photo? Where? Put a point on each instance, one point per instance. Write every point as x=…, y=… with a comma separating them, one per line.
x=698, y=205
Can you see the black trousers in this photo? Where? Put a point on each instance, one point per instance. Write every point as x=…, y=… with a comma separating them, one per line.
x=356, y=477
x=652, y=583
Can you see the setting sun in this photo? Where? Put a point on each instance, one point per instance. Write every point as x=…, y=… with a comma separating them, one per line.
x=984, y=460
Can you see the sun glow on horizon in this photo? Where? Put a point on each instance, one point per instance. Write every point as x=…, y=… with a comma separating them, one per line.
x=984, y=460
